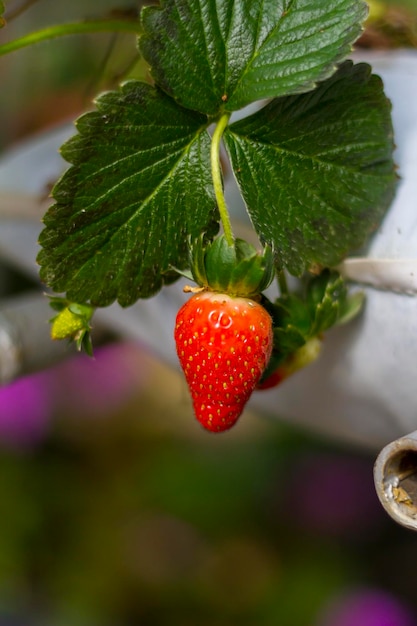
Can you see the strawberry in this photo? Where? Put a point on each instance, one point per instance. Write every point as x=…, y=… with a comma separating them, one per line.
x=224, y=344
x=223, y=335
x=294, y=362
x=72, y=322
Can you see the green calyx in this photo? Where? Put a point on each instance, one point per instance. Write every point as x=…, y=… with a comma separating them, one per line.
x=238, y=269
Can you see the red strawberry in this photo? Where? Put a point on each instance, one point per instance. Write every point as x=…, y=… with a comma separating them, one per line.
x=274, y=379
x=224, y=344
x=299, y=359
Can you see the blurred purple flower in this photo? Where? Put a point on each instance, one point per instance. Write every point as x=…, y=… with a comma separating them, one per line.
x=368, y=607
x=25, y=411
x=334, y=494
x=99, y=386
x=81, y=385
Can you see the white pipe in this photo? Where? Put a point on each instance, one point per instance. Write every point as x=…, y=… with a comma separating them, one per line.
x=395, y=475
x=25, y=343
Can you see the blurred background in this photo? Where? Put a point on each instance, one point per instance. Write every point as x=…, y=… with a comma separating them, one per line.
x=116, y=509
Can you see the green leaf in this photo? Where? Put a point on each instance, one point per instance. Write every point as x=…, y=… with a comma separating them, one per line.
x=350, y=307
x=286, y=341
x=323, y=302
x=291, y=320
x=213, y=55
x=139, y=187
x=330, y=302
x=316, y=170
x=325, y=295
x=2, y=20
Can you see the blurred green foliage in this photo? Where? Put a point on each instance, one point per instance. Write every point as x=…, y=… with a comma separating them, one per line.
x=117, y=520
x=57, y=80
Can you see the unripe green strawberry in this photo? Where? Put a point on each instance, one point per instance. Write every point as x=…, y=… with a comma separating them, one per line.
x=66, y=324
x=72, y=322
x=224, y=344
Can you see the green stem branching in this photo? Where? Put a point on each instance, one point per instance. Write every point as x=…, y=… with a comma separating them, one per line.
x=282, y=283
x=76, y=28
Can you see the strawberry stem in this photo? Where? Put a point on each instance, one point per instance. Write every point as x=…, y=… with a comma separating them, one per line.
x=282, y=283
x=216, y=173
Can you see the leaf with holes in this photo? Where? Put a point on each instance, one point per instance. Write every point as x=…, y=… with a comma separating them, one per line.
x=140, y=186
x=213, y=55
x=316, y=170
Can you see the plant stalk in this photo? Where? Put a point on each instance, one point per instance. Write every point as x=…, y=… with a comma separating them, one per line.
x=282, y=283
x=216, y=172
x=76, y=28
